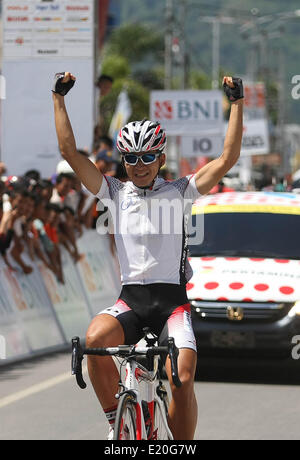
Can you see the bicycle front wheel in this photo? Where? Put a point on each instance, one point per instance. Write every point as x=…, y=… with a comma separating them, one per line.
x=125, y=423
x=161, y=429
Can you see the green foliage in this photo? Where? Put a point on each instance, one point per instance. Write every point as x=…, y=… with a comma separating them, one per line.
x=139, y=98
x=199, y=80
x=116, y=66
x=136, y=42
x=133, y=57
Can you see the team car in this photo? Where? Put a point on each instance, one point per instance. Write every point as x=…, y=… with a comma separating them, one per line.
x=245, y=288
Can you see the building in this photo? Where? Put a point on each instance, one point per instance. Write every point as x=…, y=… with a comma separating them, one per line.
x=109, y=17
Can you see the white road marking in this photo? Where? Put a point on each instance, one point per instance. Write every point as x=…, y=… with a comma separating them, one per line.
x=37, y=388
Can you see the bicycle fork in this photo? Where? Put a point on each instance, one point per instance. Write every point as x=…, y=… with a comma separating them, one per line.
x=144, y=407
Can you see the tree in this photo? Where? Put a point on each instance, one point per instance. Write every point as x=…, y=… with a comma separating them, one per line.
x=137, y=43
x=131, y=51
x=134, y=57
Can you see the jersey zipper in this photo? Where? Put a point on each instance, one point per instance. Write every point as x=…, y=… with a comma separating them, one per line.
x=144, y=238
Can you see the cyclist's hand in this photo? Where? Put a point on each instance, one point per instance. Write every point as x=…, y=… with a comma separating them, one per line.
x=63, y=82
x=233, y=88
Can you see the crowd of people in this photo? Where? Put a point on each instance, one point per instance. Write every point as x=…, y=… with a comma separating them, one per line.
x=41, y=215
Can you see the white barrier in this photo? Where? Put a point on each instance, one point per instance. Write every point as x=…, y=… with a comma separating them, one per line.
x=97, y=272
x=67, y=299
x=38, y=313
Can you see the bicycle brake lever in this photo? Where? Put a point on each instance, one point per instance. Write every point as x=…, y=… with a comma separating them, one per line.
x=173, y=354
x=77, y=357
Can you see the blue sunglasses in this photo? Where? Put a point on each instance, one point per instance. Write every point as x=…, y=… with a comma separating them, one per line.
x=147, y=158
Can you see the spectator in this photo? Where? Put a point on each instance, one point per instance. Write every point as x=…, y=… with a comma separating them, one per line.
x=221, y=188
x=52, y=230
x=2, y=192
x=64, y=184
x=105, y=142
x=107, y=165
x=165, y=173
x=33, y=174
x=61, y=189
x=280, y=186
x=52, y=251
x=104, y=84
x=6, y=229
x=31, y=236
x=105, y=162
x=2, y=168
x=11, y=230
x=102, y=143
x=103, y=87
x=46, y=190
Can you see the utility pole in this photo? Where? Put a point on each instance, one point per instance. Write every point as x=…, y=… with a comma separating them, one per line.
x=168, y=43
x=216, y=26
x=96, y=61
x=173, y=162
x=183, y=59
x=215, y=52
x=281, y=115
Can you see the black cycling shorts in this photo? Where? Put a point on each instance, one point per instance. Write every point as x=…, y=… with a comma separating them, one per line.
x=164, y=308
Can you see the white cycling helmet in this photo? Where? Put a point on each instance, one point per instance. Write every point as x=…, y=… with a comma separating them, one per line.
x=141, y=136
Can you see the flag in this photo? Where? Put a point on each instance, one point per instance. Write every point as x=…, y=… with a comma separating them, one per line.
x=121, y=115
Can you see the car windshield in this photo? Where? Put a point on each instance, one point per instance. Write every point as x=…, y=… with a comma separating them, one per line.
x=248, y=234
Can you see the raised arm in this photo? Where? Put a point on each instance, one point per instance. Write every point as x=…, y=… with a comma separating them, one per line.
x=208, y=176
x=85, y=170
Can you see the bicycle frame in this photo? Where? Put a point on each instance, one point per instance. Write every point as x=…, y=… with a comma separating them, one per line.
x=135, y=373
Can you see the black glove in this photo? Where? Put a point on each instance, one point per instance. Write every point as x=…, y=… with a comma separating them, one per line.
x=235, y=93
x=62, y=88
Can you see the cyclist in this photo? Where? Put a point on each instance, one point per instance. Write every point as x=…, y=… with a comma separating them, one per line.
x=153, y=264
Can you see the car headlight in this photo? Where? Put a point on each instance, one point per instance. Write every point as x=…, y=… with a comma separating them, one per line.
x=295, y=310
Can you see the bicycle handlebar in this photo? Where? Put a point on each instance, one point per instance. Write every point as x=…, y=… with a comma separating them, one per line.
x=123, y=351
x=173, y=354
x=77, y=357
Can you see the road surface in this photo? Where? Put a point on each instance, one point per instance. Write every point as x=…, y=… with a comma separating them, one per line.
x=39, y=400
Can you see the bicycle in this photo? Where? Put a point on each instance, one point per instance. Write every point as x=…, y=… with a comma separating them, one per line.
x=137, y=419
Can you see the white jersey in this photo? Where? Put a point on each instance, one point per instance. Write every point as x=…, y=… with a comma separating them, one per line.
x=150, y=228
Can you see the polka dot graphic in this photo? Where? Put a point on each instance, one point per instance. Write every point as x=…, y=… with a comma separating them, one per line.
x=211, y=285
x=287, y=290
x=189, y=286
x=261, y=287
x=236, y=285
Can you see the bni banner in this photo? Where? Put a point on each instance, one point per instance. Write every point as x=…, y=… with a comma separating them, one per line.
x=41, y=38
x=188, y=112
